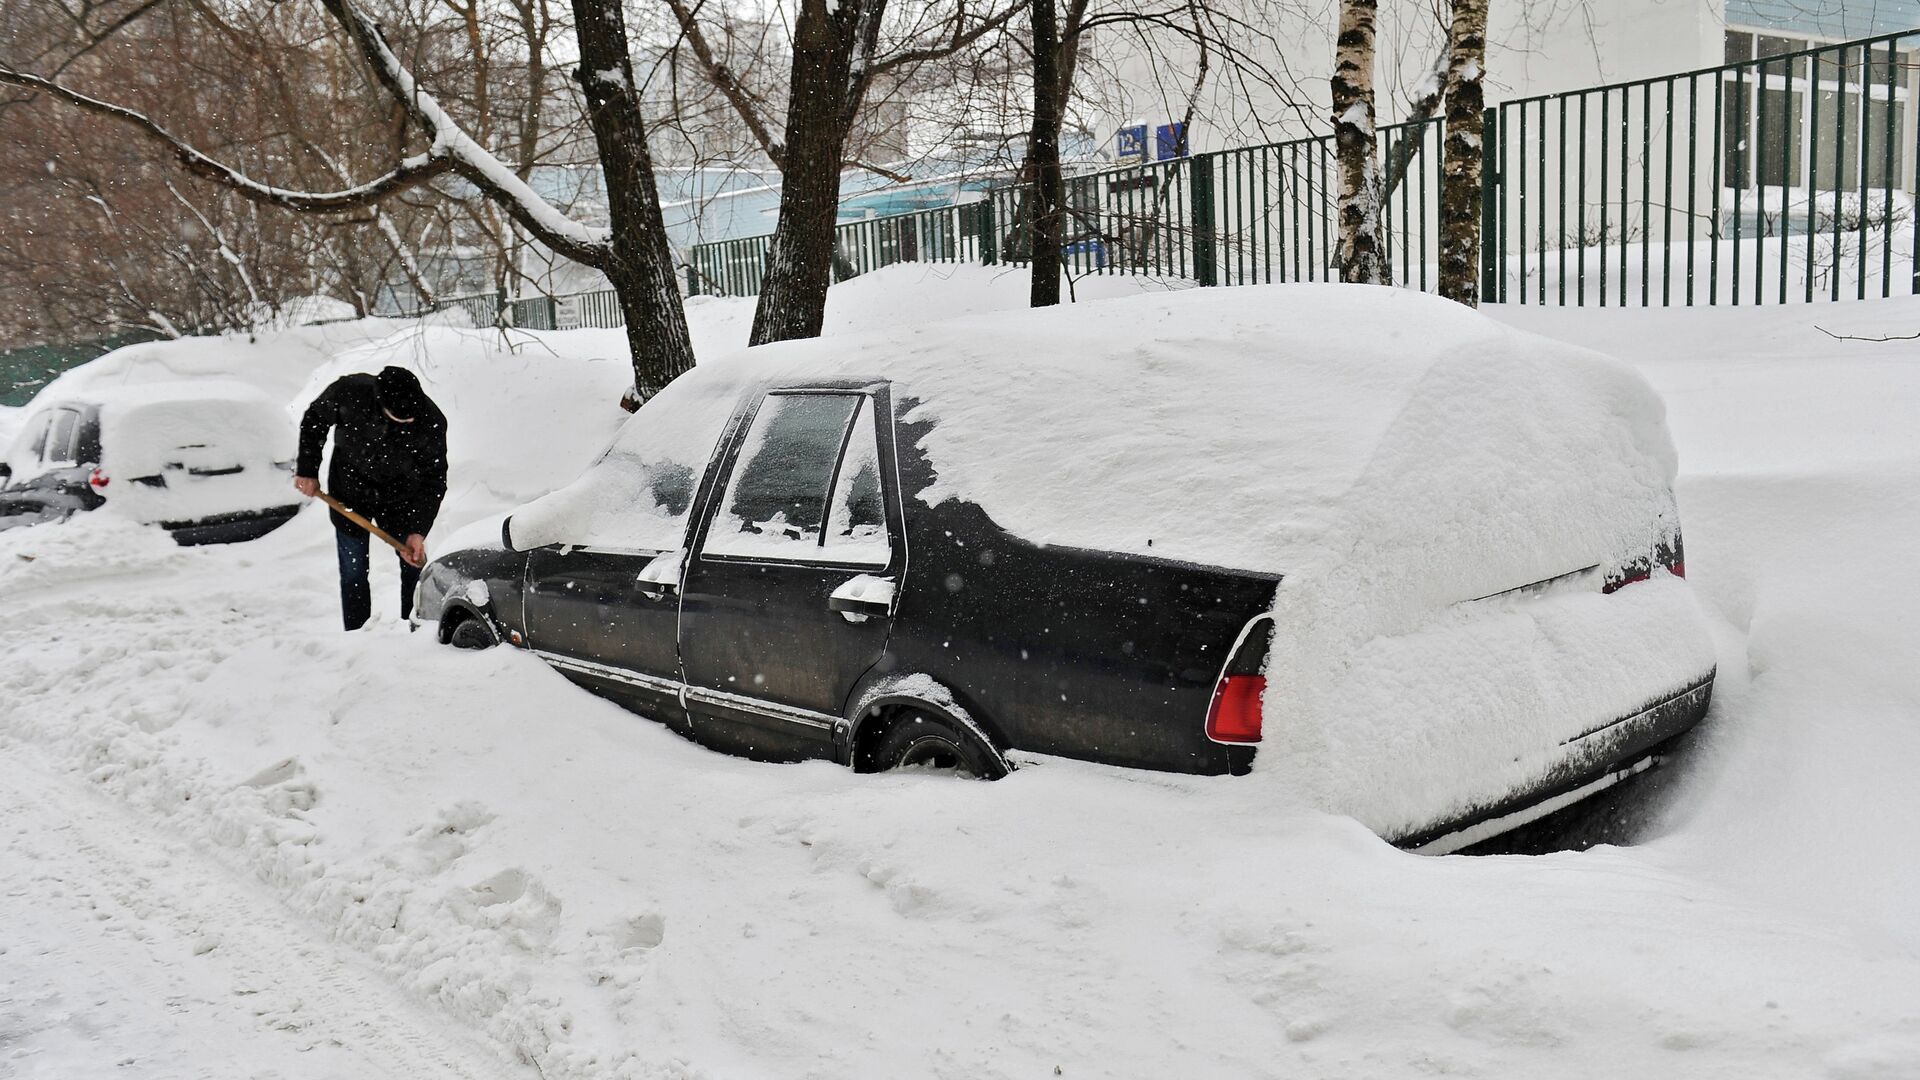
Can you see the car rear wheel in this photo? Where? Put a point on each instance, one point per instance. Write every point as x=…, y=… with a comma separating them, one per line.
x=920, y=740
x=472, y=633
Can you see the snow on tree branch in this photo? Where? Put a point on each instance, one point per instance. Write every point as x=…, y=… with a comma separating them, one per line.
x=575, y=240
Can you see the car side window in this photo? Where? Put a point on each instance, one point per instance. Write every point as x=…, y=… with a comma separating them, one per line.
x=776, y=504
x=856, y=530
x=41, y=426
x=60, y=439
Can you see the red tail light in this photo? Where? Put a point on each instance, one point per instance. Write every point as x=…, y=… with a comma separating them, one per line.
x=1234, y=716
x=97, y=479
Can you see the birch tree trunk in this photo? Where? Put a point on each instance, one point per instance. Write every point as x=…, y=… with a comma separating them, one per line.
x=1043, y=156
x=1461, y=150
x=1361, y=252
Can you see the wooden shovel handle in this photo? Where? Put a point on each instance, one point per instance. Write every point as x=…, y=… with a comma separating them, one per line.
x=363, y=522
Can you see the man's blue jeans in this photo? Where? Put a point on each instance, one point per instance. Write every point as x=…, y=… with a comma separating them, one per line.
x=356, y=596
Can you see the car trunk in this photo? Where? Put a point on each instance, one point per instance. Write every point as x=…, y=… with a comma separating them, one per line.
x=182, y=461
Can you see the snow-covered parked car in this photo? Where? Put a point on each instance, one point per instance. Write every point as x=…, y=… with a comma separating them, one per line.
x=210, y=461
x=1402, y=562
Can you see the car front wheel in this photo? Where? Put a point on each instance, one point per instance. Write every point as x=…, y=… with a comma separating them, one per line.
x=472, y=633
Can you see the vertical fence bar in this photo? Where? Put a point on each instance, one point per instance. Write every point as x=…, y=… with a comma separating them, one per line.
x=1266, y=213
x=1540, y=211
x=1692, y=179
x=1759, y=179
x=1563, y=201
x=1666, y=203
x=1521, y=151
x=1425, y=233
x=1886, y=176
x=1813, y=167
x=1790, y=132
x=1646, y=191
x=1500, y=205
x=1489, y=199
x=1839, y=162
x=1626, y=221
x=1742, y=128
x=1606, y=129
x=1866, y=111
x=1719, y=158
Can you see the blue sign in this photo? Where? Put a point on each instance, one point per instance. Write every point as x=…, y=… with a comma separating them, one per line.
x=1130, y=143
x=1171, y=141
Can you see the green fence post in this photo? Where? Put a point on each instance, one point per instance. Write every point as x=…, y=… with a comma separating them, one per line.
x=1205, y=270
x=983, y=223
x=1489, y=206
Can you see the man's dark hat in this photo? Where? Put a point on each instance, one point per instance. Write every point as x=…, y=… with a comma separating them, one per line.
x=399, y=392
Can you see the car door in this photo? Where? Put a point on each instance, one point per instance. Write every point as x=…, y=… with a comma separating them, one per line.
x=788, y=597
x=603, y=605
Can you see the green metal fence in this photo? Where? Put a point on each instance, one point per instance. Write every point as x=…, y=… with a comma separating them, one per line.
x=1767, y=180
x=1774, y=179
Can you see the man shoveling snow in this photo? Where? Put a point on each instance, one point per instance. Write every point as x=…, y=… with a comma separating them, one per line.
x=389, y=464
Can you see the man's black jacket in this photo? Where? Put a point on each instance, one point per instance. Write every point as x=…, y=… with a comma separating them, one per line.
x=394, y=473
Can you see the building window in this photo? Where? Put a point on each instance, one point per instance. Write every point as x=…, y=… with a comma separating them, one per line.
x=1813, y=121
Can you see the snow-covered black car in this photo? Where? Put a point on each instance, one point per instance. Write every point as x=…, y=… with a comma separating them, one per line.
x=209, y=461
x=1402, y=562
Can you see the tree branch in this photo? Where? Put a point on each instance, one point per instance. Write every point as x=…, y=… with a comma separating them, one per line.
x=409, y=173
x=961, y=39
x=572, y=239
x=729, y=87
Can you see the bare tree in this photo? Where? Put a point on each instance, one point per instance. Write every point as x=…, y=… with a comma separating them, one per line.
x=1361, y=252
x=1043, y=155
x=1460, y=173
x=632, y=252
x=837, y=58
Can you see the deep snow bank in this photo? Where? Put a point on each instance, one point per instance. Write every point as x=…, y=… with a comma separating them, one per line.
x=602, y=898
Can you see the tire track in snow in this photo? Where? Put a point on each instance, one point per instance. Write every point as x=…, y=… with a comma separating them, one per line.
x=86, y=852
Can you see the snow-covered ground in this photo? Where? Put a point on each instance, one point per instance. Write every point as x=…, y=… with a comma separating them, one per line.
x=241, y=843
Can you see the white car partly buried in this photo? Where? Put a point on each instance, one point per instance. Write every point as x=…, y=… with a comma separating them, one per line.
x=210, y=461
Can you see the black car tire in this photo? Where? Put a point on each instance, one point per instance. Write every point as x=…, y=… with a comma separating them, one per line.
x=472, y=632
x=926, y=741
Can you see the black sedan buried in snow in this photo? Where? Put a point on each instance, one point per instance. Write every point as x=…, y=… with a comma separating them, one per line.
x=1415, y=567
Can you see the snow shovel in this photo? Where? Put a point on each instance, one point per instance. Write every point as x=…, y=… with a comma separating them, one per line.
x=364, y=523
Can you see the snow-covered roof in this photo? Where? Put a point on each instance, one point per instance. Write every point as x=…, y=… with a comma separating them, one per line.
x=117, y=398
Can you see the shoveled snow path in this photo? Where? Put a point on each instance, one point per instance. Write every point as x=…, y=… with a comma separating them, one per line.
x=127, y=951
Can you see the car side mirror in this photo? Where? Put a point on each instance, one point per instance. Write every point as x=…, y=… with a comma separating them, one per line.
x=6, y=471
x=506, y=533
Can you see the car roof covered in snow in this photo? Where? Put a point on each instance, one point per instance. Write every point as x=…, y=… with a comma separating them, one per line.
x=1244, y=426
x=145, y=425
x=170, y=392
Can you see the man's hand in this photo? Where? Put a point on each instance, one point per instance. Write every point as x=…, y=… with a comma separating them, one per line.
x=307, y=485
x=416, y=553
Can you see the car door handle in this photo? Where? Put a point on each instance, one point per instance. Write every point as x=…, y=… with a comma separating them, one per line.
x=861, y=597
x=661, y=578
